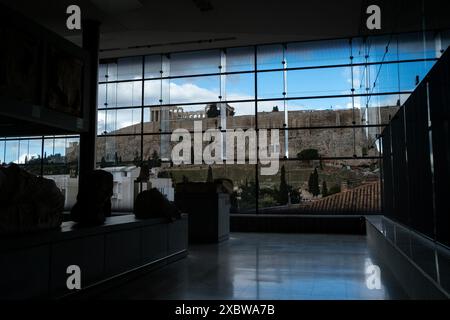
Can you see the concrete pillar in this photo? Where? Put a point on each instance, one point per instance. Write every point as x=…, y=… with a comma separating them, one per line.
x=91, y=39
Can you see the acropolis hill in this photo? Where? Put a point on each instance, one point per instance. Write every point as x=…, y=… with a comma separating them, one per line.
x=342, y=142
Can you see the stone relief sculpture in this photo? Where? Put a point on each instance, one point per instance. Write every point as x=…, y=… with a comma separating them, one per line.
x=28, y=203
x=19, y=70
x=94, y=200
x=64, y=82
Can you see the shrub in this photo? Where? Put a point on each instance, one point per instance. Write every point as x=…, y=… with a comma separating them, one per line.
x=163, y=174
x=334, y=189
x=308, y=154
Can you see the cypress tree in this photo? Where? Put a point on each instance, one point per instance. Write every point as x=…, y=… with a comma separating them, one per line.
x=210, y=178
x=310, y=182
x=283, y=193
x=316, y=183
x=324, y=189
x=313, y=183
x=103, y=162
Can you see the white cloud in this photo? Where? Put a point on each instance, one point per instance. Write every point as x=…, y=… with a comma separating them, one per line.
x=188, y=92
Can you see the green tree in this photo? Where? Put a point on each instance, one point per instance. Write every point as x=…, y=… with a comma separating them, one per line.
x=248, y=195
x=310, y=182
x=313, y=183
x=283, y=196
x=154, y=161
x=137, y=159
x=210, y=178
x=334, y=189
x=103, y=162
x=324, y=189
x=296, y=196
x=308, y=154
x=234, y=203
x=163, y=174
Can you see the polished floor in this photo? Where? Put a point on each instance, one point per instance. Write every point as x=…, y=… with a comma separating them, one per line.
x=266, y=266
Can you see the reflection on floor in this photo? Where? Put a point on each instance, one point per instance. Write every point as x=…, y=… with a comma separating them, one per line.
x=266, y=266
x=432, y=258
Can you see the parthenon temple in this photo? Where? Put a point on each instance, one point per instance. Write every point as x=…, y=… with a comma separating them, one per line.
x=165, y=113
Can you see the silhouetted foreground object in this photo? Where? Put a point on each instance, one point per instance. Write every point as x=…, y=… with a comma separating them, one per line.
x=153, y=204
x=219, y=185
x=208, y=207
x=94, y=201
x=28, y=203
x=144, y=173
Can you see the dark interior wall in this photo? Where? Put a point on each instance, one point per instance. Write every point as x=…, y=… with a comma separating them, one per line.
x=388, y=195
x=439, y=97
x=149, y=26
x=399, y=168
x=419, y=161
x=416, y=157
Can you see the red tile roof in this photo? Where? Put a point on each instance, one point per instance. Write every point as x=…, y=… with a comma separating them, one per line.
x=362, y=199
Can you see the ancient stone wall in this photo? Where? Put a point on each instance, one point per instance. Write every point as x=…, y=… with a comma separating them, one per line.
x=330, y=142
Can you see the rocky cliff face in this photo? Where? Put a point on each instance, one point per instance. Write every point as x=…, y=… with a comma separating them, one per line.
x=330, y=142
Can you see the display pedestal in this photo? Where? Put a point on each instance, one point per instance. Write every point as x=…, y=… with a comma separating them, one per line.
x=209, y=214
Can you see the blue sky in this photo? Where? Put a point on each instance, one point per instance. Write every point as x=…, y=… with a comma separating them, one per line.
x=271, y=85
x=314, y=82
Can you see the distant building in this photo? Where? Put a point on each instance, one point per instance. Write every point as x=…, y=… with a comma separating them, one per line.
x=213, y=110
x=68, y=186
x=125, y=188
